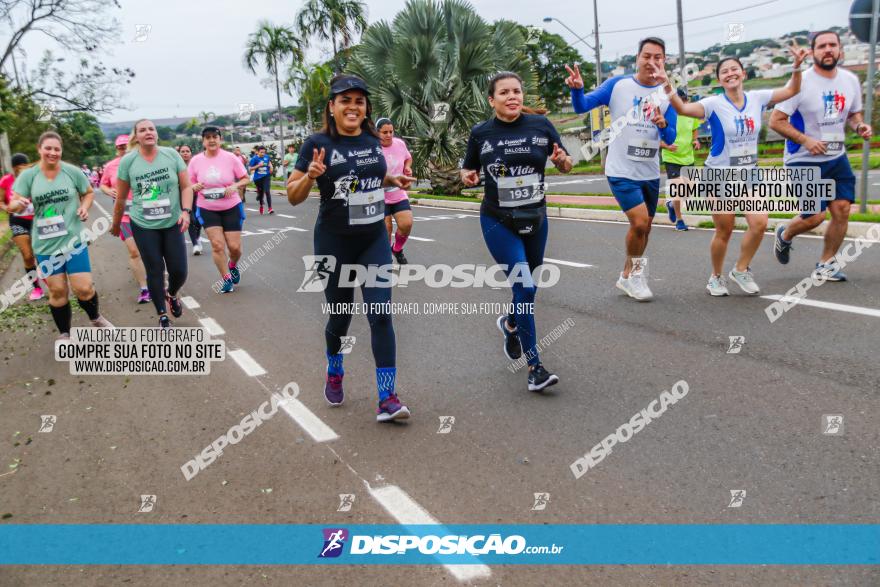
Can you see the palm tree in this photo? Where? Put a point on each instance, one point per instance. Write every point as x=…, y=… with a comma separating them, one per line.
x=312, y=83
x=207, y=116
x=438, y=52
x=330, y=20
x=273, y=45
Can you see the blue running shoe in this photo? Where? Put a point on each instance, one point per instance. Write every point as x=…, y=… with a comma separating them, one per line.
x=236, y=275
x=680, y=226
x=781, y=247
x=227, y=286
x=670, y=209
x=830, y=272
x=391, y=409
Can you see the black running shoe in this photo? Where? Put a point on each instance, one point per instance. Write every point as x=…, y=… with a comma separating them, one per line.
x=512, y=346
x=164, y=321
x=539, y=378
x=399, y=256
x=174, y=302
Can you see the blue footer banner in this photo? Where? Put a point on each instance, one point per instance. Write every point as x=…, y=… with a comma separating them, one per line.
x=570, y=544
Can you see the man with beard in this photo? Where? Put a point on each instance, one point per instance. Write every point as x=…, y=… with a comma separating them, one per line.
x=814, y=122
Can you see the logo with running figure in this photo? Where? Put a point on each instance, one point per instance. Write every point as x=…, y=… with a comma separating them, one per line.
x=834, y=103
x=737, y=497
x=148, y=503
x=745, y=125
x=832, y=424
x=345, y=186
x=50, y=212
x=541, y=501
x=346, y=500
x=334, y=542
x=47, y=423
x=318, y=271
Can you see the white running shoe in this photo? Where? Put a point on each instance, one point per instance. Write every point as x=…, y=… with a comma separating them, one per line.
x=716, y=286
x=197, y=249
x=636, y=286
x=745, y=280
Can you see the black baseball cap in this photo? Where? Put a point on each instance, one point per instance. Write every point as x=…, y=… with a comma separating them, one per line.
x=345, y=83
x=20, y=159
x=211, y=130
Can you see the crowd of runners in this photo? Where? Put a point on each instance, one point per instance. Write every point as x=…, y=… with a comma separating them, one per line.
x=362, y=171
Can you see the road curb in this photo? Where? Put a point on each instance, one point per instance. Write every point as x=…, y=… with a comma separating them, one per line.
x=855, y=229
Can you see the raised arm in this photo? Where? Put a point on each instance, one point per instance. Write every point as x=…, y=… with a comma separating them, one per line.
x=793, y=87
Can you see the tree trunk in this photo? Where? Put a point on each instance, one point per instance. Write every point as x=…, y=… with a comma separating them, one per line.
x=309, y=115
x=444, y=180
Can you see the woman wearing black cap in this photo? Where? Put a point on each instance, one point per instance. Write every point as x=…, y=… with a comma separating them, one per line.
x=345, y=159
x=21, y=223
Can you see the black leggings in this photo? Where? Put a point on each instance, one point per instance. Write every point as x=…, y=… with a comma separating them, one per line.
x=264, y=185
x=367, y=249
x=195, y=229
x=161, y=249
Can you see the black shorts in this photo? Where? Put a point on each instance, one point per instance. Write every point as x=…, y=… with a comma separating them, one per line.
x=398, y=207
x=230, y=220
x=264, y=184
x=20, y=226
x=673, y=170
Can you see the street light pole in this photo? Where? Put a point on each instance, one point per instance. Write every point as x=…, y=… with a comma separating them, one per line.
x=595, y=48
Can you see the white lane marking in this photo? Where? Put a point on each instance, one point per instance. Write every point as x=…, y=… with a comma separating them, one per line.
x=252, y=209
x=247, y=363
x=294, y=228
x=568, y=263
x=406, y=511
x=284, y=215
x=190, y=302
x=826, y=305
x=308, y=421
x=214, y=329
x=419, y=238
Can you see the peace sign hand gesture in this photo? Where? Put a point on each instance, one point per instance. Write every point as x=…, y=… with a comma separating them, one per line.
x=798, y=53
x=574, y=79
x=317, y=167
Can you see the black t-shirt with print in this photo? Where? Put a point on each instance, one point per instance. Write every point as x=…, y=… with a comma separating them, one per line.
x=513, y=156
x=352, y=198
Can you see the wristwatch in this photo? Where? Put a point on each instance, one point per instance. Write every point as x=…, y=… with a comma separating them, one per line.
x=187, y=210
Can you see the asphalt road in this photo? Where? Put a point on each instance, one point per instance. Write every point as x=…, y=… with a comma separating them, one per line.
x=752, y=420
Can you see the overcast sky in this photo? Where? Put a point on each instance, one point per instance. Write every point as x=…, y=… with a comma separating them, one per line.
x=191, y=60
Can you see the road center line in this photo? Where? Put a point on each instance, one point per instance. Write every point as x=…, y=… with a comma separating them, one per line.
x=214, y=329
x=308, y=421
x=284, y=215
x=568, y=263
x=406, y=511
x=419, y=238
x=190, y=302
x=826, y=305
x=247, y=363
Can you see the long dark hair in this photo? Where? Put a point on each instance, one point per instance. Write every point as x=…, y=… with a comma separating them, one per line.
x=329, y=126
x=502, y=75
